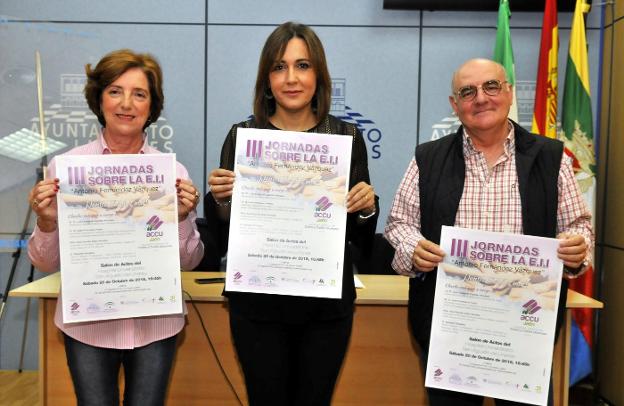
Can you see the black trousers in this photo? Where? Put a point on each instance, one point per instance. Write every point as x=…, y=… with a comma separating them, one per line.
x=290, y=363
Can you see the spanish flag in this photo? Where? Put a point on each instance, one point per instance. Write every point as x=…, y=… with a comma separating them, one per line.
x=577, y=135
x=545, y=107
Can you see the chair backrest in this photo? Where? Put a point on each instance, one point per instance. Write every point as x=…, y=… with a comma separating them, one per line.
x=211, y=260
x=378, y=260
x=214, y=234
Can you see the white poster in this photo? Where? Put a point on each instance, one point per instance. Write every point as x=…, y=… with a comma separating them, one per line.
x=118, y=235
x=288, y=215
x=494, y=315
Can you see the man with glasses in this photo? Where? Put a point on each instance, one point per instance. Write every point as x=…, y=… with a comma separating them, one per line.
x=490, y=175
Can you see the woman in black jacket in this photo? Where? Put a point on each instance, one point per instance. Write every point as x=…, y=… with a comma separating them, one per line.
x=291, y=347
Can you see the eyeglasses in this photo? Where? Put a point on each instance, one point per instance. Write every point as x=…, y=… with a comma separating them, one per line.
x=491, y=88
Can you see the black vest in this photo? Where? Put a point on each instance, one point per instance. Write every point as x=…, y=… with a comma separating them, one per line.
x=442, y=170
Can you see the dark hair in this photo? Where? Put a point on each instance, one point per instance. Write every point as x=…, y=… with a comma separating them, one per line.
x=115, y=64
x=273, y=50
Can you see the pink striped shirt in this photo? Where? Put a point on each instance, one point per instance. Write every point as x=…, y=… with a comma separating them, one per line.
x=490, y=201
x=43, y=250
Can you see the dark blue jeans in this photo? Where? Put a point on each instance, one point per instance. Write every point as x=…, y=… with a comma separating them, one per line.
x=95, y=372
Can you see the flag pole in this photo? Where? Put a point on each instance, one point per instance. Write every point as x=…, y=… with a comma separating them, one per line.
x=41, y=174
x=42, y=134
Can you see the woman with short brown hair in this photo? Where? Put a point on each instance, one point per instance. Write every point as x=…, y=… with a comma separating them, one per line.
x=110, y=67
x=124, y=91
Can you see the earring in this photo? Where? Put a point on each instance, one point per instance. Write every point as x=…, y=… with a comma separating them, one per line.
x=268, y=94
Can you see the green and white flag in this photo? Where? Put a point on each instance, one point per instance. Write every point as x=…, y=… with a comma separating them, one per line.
x=503, y=52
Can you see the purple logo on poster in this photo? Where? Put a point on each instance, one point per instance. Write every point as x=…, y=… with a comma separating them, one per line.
x=530, y=307
x=154, y=223
x=323, y=204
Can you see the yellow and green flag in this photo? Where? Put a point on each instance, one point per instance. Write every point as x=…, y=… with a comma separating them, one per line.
x=576, y=115
x=577, y=135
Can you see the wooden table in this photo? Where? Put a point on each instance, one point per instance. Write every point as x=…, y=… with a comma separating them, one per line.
x=381, y=366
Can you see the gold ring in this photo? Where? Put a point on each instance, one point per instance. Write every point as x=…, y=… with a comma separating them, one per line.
x=196, y=195
x=35, y=203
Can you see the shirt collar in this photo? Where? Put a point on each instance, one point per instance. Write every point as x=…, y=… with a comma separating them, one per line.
x=509, y=147
x=105, y=150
